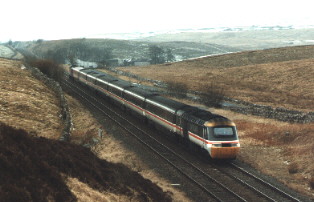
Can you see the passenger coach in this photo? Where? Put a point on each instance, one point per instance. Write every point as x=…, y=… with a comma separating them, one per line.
x=212, y=133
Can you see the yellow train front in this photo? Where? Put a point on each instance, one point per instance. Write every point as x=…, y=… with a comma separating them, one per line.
x=222, y=140
x=212, y=133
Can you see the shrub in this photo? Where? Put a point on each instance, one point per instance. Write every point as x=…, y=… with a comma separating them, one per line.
x=293, y=168
x=311, y=182
x=212, y=95
x=48, y=67
x=178, y=89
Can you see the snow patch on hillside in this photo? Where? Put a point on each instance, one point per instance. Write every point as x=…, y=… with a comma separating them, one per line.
x=6, y=52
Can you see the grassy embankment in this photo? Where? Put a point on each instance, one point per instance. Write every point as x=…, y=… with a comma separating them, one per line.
x=281, y=77
x=35, y=166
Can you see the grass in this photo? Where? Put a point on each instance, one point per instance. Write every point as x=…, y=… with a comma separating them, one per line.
x=27, y=103
x=281, y=77
x=35, y=169
x=85, y=129
x=290, y=145
x=277, y=135
x=282, y=150
x=263, y=77
x=312, y=182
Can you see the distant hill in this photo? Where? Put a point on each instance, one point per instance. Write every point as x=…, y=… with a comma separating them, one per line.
x=184, y=44
x=91, y=49
x=280, y=77
x=8, y=52
x=251, y=38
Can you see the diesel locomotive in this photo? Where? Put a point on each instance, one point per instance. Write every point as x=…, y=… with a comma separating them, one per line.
x=212, y=133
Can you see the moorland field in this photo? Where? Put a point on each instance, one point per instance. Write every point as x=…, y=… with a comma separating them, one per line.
x=281, y=77
x=276, y=77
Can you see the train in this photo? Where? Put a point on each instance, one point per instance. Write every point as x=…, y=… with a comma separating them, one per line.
x=211, y=133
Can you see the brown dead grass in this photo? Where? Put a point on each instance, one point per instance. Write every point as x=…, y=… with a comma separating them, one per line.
x=278, y=78
x=113, y=151
x=282, y=150
x=286, y=84
x=84, y=193
x=84, y=125
x=27, y=103
x=275, y=154
x=43, y=169
x=34, y=169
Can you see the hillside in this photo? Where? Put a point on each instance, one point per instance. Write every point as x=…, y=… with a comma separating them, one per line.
x=27, y=103
x=282, y=150
x=282, y=77
x=35, y=166
x=249, y=38
x=40, y=169
x=9, y=52
x=95, y=50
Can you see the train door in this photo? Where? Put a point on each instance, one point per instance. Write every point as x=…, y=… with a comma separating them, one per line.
x=205, y=137
x=185, y=130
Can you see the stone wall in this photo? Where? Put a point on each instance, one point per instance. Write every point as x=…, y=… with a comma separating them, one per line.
x=55, y=86
x=243, y=107
x=280, y=114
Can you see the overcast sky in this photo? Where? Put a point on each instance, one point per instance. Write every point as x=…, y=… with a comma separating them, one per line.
x=59, y=19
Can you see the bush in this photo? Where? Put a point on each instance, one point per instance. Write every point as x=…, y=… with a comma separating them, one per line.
x=212, y=95
x=177, y=89
x=49, y=67
x=311, y=182
x=293, y=168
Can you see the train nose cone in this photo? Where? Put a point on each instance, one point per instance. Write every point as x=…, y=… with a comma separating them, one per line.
x=224, y=152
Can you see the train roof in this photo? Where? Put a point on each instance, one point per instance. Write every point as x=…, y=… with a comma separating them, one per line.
x=166, y=102
x=197, y=115
x=90, y=71
x=122, y=84
x=141, y=92
x=77, y=68
x=100, y=75
x=193, y=114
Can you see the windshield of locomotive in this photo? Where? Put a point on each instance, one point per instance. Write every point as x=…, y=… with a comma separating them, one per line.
x=223, y=131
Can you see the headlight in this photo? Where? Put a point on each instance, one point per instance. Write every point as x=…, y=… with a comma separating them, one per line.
x=226, y=145
x=217, y=145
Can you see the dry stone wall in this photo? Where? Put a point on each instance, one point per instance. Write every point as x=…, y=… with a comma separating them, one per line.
x=243, y=107
x=280, y=114
x=55, y=86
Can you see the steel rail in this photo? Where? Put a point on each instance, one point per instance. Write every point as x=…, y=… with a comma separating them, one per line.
x=263, y=182
x=284, y=194
x=155, y=151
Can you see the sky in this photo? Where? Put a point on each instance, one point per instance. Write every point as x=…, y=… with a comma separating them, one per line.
x=60, y=19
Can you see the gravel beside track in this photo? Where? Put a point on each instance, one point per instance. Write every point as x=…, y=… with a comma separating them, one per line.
x=198, y=176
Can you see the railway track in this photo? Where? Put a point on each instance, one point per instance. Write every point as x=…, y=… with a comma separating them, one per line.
x=220, y=182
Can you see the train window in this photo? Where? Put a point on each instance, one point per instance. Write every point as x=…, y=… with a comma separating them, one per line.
x=89, y=79
x=196, y=129
x=115, y=90
x=193, y=128
x=223, y=131
x=178, y=121
x=135, y=100
x=200, y=131
x=161, y=112
x=103, y=85
x=169, y=116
